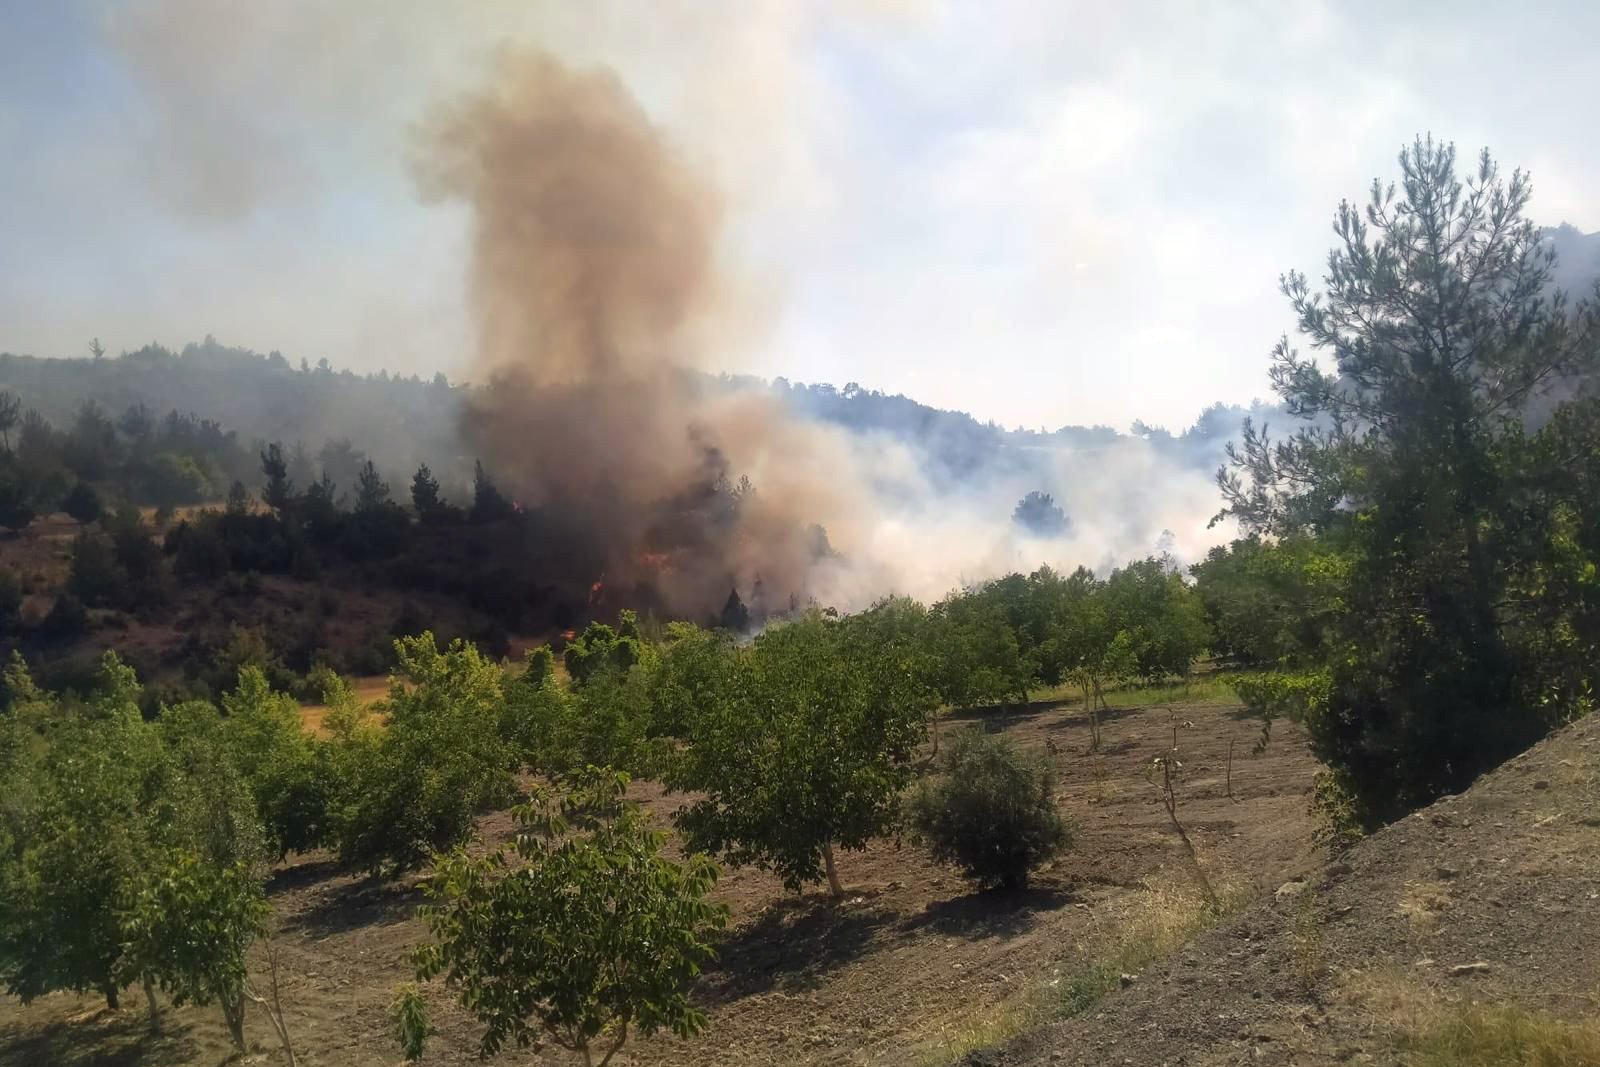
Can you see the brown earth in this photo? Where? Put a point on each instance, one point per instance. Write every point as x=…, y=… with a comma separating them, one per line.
x=900, y=972
x=1489, y=897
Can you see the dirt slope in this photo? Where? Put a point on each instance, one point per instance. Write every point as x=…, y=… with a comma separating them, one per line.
x=1491, y=896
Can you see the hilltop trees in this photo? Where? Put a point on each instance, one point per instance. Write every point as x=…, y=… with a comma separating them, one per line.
x=1441, y=324
x=1040, y=515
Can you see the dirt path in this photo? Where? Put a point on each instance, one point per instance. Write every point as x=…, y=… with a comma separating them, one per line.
x=897, y=973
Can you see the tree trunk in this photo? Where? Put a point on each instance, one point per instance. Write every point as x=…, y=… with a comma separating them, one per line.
x=155, y=1007
x=833, y=872
x=111, y=997
x=233, y=1014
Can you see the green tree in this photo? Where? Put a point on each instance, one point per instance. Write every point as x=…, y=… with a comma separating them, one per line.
x=1441, y=323
x=799, y=748
x=439, y=760
x=372, y=492
x=82, y=504
x=430, y=507
x=600, y=648
x=277, y=491
x=81, y=844
x=582, y=937
x=16, y=502
x=280, y=762
x=10, y=601
x=187, y=928
x=10, y=414
x=991, y=811
x=488, y=503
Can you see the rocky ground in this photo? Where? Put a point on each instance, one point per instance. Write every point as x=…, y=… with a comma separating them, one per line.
x=1490, y=897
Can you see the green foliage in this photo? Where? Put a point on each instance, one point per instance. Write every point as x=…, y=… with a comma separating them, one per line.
x=408, y=1018
x=799, y=744
x=10, y=601
x=286, y=772
x=82, y=503
x=1442, y=327
x=1271, y=603
x=79, y=845
x=186, y=929
x=441, y=759
x=991, y=812
x=1040, y=515
x=1301, y=698
x=488, y=503
x=583, y=936
x=16, y=502
x=600, y=648
x=125, y=846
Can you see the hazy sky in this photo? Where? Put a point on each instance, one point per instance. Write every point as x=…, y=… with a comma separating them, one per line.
x=1041, y=212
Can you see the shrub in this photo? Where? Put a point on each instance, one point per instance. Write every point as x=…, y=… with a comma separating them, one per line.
x=991, y=812
x=67, y=620
x=82, y=504
x=10, y=601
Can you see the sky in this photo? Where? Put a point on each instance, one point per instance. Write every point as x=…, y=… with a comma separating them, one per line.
x=1038, y=211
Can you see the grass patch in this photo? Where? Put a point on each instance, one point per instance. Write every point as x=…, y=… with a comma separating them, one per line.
x=952, y=1039
x=1154, y=926
x=1503, y=1036
x=1210, y=687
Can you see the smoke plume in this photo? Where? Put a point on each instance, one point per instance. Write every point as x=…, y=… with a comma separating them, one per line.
x=596, y=285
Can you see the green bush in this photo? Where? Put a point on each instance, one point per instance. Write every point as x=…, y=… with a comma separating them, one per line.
x=990, y=812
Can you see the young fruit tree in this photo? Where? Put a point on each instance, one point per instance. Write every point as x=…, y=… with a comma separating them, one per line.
x=583, y=936
x=990, y=812
x=439, y=760
x=801, y=747
x=187, y=929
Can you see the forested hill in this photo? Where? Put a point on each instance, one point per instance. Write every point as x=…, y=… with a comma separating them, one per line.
x=401, y=421
x=1577, y=259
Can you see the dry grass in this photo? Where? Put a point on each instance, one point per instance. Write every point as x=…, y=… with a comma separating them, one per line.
x=1154, y=924
x=1504, y=1035
x=952, y=1039
x=367, y=691
x=1430, y=1029
x=1159, y=922
x=1421, y=903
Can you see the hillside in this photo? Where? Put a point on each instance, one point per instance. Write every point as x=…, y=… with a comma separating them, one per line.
x=1491, y=896
x=904, y=971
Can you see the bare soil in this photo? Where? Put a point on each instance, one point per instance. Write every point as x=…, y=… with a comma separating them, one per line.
x=1492, y=896
x=877, y=978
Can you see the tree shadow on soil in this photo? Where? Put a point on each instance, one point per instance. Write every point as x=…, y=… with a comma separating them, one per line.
x=350, y=907
x=791, y=946
x=991, y=912
x=301, y=875
x=110, y=1039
